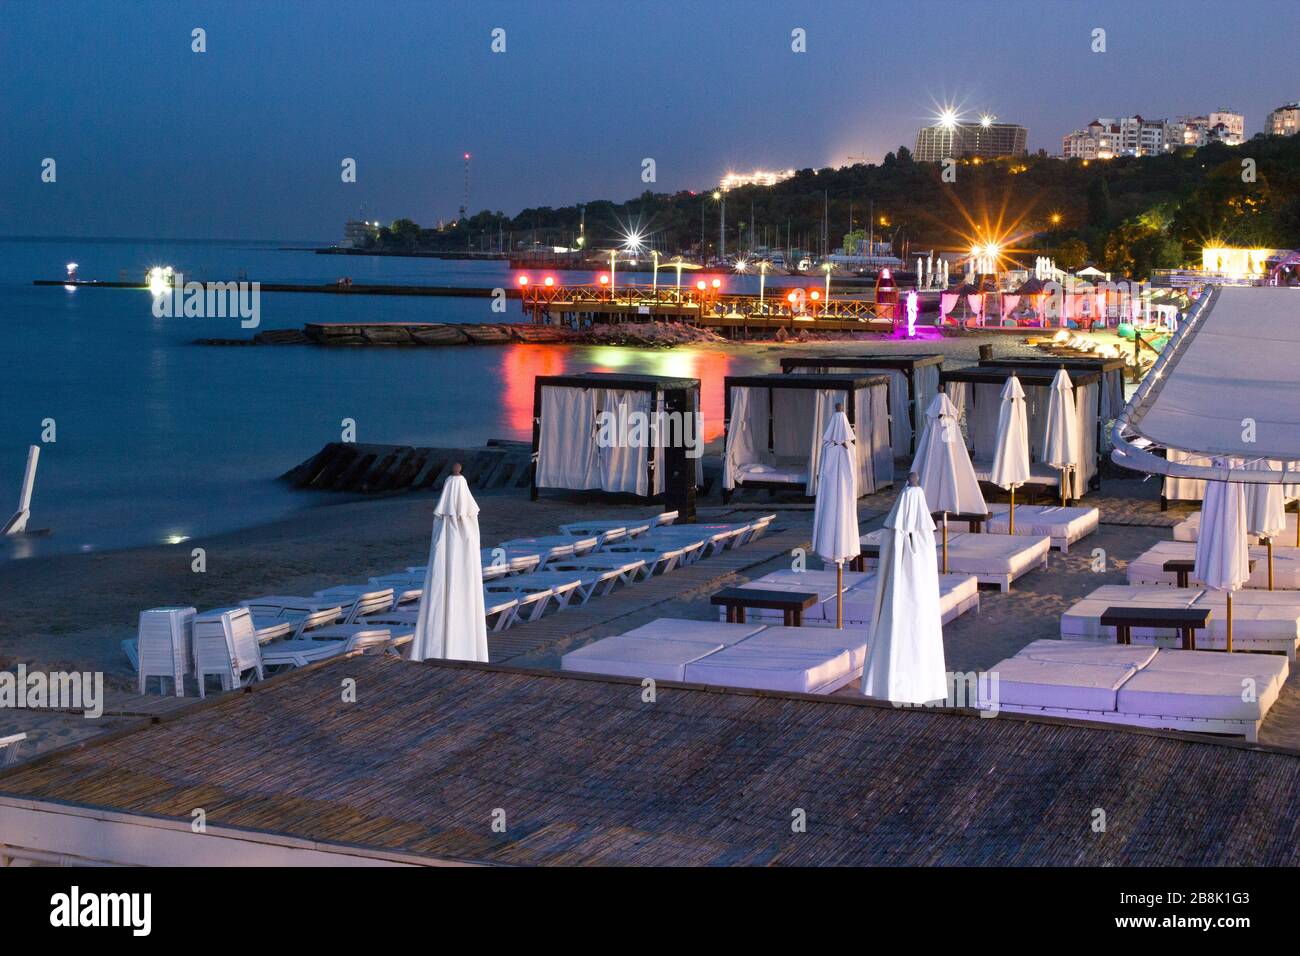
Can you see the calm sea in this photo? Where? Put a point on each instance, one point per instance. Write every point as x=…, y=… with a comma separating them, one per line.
x=159, y=439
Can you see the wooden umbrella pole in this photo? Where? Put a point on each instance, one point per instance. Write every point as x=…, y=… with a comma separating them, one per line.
x=839, y=594
x=1064, y=473
x=1269, y=543
x=1229, y=622
x=945, y=542
x=1013, y=509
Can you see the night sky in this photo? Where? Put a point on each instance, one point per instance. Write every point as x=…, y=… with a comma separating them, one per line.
x=246, y=140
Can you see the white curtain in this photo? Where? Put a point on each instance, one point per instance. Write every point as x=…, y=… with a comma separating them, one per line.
x=925, y=384
x=1086, y=398
x=1185, y=489
x=566, y=449
x=698, y=434
x=624, y=455
x=792, y=412
x=871, y=424
x=947, y=302
x=742, y=444
x=900, y=414
x=982, y=420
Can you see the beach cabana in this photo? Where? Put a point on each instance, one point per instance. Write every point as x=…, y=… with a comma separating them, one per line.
x=913, y=382
x=619, y=434
x=1110, y=401
x=774, y=426
x=976, y=391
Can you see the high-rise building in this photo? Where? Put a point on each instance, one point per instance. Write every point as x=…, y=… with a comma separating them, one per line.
x=1284, y=121
x=1221, y=126
x=1127, y=136
x=955, y=140
x=759, y=177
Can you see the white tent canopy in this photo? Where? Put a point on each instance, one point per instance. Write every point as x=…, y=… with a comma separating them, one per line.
x=775, y=423
x=1228, y=385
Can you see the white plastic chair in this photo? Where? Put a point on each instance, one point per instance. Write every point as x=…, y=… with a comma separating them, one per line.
x=163, y=646
x=225, y=644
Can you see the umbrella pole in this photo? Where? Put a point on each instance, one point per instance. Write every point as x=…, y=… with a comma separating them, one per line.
x=839, y=594
x=1013, y=510
x=1064, y=471
x=945, y=542
x=1229, y=595
x=1269, y=542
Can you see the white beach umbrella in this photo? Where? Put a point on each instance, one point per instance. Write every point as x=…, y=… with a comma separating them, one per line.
x=905, y=661
x=1061, y=438
x=1011, y=454
x=450, y=624
x=943, y=466
x=1222, y=561
x=1265, y=510
x=835, y=517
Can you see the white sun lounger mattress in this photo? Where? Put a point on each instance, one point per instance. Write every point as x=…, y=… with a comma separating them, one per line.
x=1064, y=526
x=1148, y=567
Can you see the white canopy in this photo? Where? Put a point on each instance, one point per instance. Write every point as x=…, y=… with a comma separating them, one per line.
x=1011, y=453
x=1221, y=557
x=905, y=662
x=943, y=464
x=450, y=624
x=1225, y=385
x=835, y=517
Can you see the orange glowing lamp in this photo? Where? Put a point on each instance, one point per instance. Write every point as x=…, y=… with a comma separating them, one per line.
x=549, y=281
x=523, y=280
x=814, y=295
x=717, y=283
x=701, y=285
x=604, y=279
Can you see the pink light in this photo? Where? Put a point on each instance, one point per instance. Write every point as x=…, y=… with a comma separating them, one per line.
x=911, y=314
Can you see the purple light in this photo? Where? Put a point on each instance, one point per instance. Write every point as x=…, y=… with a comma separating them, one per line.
x=911, y=314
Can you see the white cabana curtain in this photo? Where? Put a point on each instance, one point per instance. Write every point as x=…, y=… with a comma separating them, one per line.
x=1086, y=398
x=900, y=415
x=876, y=456
x=566, y=448
x=925, y=384
x=743, y=444
x=947, y=302
x=823, y=403
x=623, y=462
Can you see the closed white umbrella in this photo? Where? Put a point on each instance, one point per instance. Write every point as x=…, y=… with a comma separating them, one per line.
x=1061, y=437
x=450, y=624
x=1222, y=561
x=905, y=662
x=835, y=517
x=1265, y=510
x=943, y=467
x=1011, y=454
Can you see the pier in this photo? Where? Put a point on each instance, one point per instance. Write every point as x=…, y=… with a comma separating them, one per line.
x=705, y=306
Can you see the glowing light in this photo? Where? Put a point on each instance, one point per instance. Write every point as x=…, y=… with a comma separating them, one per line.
x=742, y=265
x=701, y=285
x=717, y=283
x=523, y=280
x=948, y=118
x=987, y=120
x=912, y=309
x=604, y=279
x=792, y=297
x=160, y=279
x=549, y=281
x=634, y=241
x=814, y=295
x=759, y=177
x=72, y=267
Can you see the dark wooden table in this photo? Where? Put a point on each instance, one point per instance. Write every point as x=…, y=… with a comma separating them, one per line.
x=1187, y=620
x=790, y=603
x=974, y=521
x=868, y=551
x=1183, y=568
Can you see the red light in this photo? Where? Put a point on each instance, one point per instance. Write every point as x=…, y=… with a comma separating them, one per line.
x=549, y=281
x=701, y=285
x=814, y=295
x=717, y=283
x=467, y=155
x=523, y=280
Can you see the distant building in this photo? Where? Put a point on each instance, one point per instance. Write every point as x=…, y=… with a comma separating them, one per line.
x=1222, y=126
x=357, y=233
x=759, y=177
x=1284, y=121
x=1127, y=136
x=983, y=140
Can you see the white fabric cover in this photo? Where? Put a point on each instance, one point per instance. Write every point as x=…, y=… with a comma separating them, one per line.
x=1011, y=451
x=943, y=464
x=1265, y=515
x=742, y=442
x=1221, y=557
x=906, y=663
x=1061, y=446
x=823, y=408
x=566, y=447
x=1184, y=489
x=925, y=385
x=835, y=516
x=451, y=624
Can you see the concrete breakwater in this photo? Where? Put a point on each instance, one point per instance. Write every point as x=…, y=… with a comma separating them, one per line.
x=428, y=334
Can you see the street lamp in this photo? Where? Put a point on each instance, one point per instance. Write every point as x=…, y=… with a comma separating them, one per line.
x=828, y=266
x=762, y=279
x=654, y=282
x=613, y=263
x=721, y=197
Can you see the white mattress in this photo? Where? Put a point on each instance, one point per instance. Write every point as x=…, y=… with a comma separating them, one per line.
x=779, y=668
x=660, y=650
x=984, y=554
x=1063, y=525
x=1148, y=567
x=787, y=474
x=957, y=593
x=1189, y=528
x=1083, y=618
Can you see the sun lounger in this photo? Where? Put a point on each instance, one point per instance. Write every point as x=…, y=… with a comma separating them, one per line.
x=714, y=538
x=1201, y=691
x=9, y=748
x=993, y=558
x=163, y=646
x=629, y=567
x=225, y=644
x=661, y=557
x=810, y=660
x=1064, y=526
x=1189, y=529
x=503, y=561
x=404, y=593
x=585, y=584
x=350, y=618
x=303, y=651
x=499, y=612
x=1148, y=567
x=630, y=528
x=958, y=593
x=553, y=546
x=1261, y=620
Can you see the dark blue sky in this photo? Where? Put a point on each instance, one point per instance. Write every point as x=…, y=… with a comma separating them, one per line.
x=246, y=139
